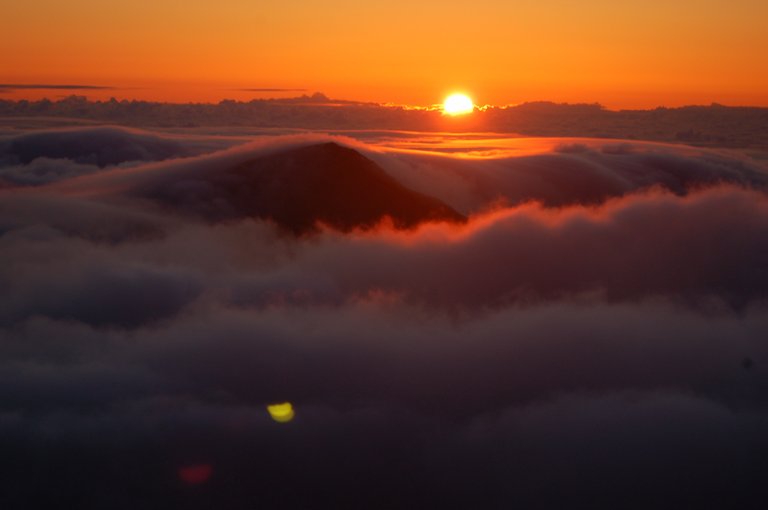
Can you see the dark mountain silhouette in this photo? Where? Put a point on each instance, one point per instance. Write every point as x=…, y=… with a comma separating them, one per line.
x=300, y=187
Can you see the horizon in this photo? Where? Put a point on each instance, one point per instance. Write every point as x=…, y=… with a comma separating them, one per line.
x=17, y=92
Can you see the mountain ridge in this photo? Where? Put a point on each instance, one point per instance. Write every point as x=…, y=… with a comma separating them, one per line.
x=299, y=188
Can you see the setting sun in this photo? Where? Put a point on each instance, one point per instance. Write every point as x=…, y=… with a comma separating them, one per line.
x=458, y=104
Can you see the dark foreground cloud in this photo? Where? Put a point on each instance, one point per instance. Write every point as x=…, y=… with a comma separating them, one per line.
x=594, y=351
x=565, y=403
x=97, y=146
x=42, y=157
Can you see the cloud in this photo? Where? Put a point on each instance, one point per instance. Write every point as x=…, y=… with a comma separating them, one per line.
x=715, y=126
x=42, y=157
x=5, y=87
x=43, y=170
x=100, y=146
x=692, y=248
x=558, y=348
x=480, y=409
x=273, y=90
x=591, y=175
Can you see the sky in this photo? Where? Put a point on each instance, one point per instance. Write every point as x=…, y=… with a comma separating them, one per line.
x=621, y=54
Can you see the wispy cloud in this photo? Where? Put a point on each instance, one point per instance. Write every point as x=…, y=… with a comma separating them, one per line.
x=7, y=87
x=271, y=90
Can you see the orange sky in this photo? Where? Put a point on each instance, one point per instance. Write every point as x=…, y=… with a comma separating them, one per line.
x=622, y=54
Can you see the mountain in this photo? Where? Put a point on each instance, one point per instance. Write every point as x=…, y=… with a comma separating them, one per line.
x=298, y=188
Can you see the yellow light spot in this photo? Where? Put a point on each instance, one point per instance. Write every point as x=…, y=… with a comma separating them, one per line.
x=281, y=413
x=458, y=104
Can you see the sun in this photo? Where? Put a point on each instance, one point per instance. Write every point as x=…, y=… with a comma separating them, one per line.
x=458, y=104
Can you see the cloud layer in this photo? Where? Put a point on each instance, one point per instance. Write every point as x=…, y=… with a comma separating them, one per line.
x=592, y=336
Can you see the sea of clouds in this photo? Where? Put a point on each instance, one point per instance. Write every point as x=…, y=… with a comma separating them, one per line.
x=593, y=335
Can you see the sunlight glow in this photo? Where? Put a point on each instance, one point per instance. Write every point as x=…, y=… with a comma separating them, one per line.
x=458, y=104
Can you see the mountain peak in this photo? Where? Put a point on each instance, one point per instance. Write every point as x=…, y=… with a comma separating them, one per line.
x=298, y=188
